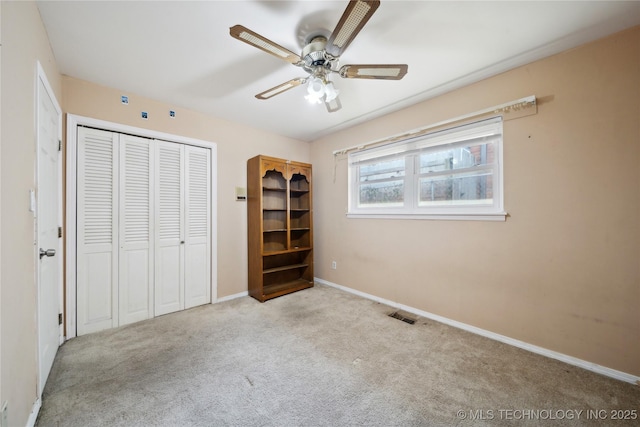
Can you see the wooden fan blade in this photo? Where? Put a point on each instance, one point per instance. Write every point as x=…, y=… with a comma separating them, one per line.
x=254, y=39
x=280, y=88
x=374, y=71
x=333, y=105
x=353, y=19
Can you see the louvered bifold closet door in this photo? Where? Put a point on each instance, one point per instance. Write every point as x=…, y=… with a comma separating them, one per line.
x=169, y=226
x=136, y=229
x=97, y=226
x=197, y=228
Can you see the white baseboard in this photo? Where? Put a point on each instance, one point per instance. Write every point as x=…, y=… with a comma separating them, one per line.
x=35, y=410
x=231, y=297
x=603, y=370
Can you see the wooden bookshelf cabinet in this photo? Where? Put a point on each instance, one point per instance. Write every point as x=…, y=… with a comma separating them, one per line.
x=280, y=227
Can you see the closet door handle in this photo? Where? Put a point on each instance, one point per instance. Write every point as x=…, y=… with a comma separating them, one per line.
x=182, y=242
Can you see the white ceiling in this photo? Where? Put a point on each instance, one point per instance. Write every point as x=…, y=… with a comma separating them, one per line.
x=180, y=52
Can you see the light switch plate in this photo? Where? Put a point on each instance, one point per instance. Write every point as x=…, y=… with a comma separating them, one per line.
x=241, y=194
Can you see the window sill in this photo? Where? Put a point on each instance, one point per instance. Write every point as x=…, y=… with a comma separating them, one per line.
x=501, y=216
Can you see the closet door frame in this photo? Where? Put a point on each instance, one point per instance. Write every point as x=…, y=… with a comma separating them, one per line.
x=73, y=122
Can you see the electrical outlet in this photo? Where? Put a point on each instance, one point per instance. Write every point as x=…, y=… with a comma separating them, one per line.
x=4, y=422
x=334, y=265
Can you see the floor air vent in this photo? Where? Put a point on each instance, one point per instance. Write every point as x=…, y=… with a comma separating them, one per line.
x=405, y=319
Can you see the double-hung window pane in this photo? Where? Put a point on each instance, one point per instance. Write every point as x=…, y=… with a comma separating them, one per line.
x=381, y=183
x=461, y=175
x=450, y=172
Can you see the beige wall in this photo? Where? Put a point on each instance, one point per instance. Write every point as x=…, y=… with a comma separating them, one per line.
x=563, y=272
x=24, y=42
x=236, y=143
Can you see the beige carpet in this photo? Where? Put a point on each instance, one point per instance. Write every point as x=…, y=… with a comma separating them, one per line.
x=319, y=357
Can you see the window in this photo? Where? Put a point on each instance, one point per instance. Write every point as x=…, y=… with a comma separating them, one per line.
x=451, y=174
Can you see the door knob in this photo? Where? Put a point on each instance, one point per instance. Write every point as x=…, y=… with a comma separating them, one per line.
x=48, y=252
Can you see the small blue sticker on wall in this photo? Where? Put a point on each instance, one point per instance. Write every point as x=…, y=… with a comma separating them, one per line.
x=144, y=115
x=172, y=114
x=124, y=99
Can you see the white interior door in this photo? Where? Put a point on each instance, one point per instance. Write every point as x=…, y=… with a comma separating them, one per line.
x=169, y=226
x=197, y=245
x=97, y=231
x=47, y=222
x=136, y=228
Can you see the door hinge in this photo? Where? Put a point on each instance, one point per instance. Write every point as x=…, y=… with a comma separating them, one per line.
x=59, y=145
x=59, y=232
x=59, y=318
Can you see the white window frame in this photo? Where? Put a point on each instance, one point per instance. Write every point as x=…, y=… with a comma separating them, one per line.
x=411, y=149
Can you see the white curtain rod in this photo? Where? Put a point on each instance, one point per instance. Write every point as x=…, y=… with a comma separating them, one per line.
x=502, y=108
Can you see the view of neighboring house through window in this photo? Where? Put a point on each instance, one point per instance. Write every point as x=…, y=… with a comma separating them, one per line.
x=456, y=171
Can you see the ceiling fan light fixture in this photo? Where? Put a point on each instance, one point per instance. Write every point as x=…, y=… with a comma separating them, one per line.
x=316, y=87
x=313, y=99
x=331, y=92
x=315, y=90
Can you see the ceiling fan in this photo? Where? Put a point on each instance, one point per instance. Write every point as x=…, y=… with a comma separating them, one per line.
x=321, y=54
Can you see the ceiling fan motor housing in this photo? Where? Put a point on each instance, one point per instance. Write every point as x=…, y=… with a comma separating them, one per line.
x=313, y=55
